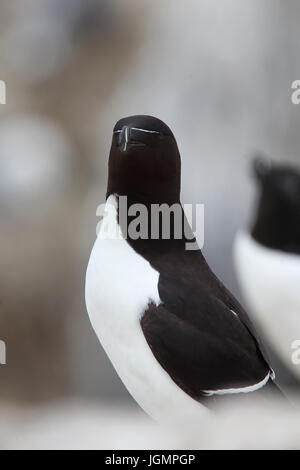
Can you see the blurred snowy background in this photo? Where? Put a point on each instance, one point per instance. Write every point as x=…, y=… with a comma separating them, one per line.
x=219, y=74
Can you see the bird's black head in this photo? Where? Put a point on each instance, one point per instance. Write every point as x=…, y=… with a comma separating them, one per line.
x=144, y=161
x=277, y=224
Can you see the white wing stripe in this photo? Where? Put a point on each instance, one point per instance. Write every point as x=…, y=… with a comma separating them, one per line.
x=251, y=388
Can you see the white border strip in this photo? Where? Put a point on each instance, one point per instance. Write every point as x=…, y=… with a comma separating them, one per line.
x=251, y=388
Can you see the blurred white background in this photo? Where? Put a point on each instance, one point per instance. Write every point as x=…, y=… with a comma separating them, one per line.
x=218, y=73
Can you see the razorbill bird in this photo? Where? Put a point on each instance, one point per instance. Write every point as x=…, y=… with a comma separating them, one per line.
x=176, y=336
x=267, y=260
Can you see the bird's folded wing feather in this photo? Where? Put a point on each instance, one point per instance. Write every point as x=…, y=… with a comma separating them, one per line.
x=202, y=356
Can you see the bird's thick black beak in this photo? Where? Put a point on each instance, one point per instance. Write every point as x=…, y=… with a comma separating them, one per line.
x=126, y=140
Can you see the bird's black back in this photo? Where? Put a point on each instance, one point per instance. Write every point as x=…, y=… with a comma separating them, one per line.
x=277, y=221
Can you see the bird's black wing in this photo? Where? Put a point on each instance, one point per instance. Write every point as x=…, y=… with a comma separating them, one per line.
x=231, y=302
x=204, y=352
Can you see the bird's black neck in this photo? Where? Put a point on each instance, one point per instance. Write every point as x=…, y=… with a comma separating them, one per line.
x=276, y=227
x=165, y=228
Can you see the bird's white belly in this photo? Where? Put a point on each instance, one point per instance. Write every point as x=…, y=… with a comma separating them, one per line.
x=119, y=286
x=270, y=281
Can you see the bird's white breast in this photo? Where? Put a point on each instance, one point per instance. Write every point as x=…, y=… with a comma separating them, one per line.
x=270, y=280
x=119, y=286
